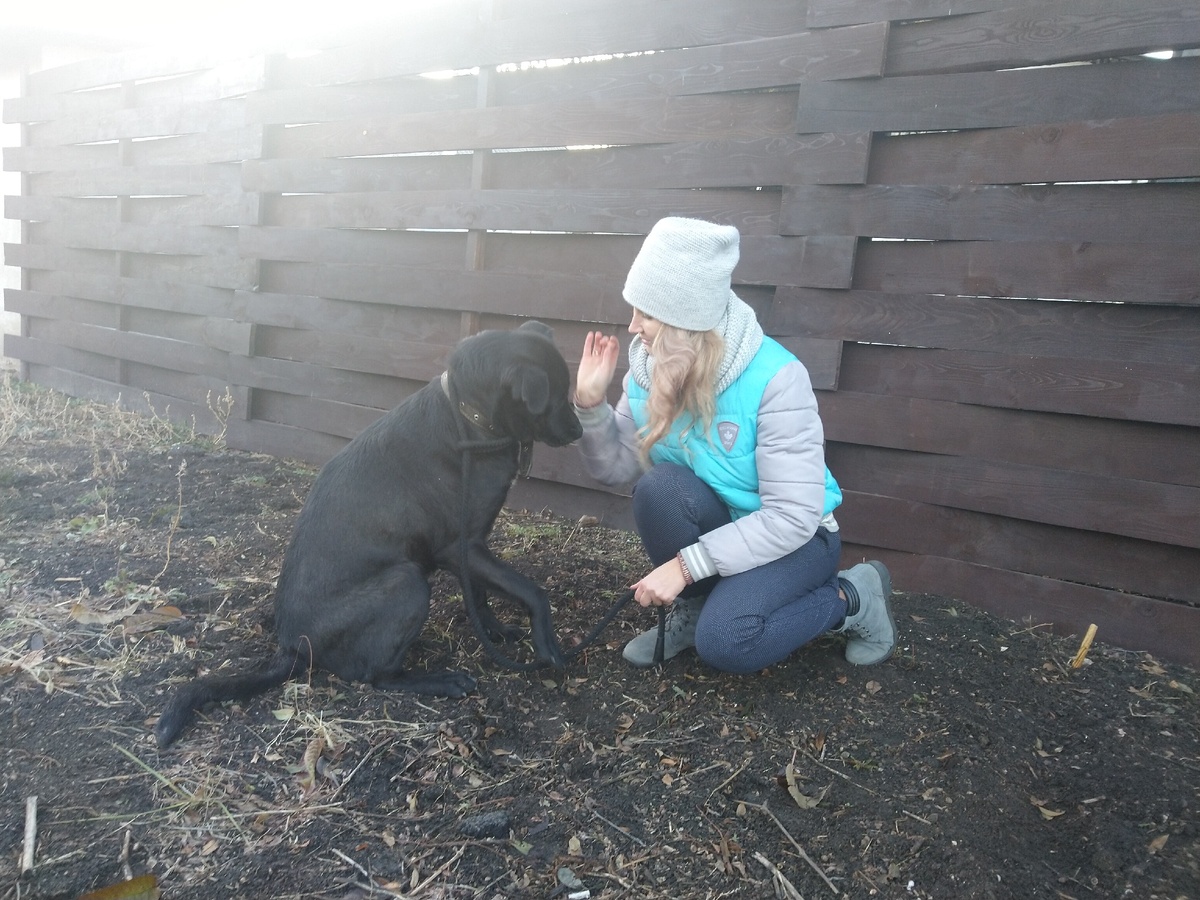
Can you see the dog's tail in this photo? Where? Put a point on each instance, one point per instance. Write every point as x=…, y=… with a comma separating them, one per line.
x=196, y=694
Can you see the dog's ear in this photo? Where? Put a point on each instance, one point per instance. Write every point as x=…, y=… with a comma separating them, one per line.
x=540, y=327
x=530, y=387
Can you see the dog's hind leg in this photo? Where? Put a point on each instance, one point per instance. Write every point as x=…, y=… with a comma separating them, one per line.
x=400, y=601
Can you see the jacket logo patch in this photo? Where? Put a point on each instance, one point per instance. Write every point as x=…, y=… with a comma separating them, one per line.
x=728, y=433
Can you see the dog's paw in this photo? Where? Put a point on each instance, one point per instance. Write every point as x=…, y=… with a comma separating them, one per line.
x=459, y=684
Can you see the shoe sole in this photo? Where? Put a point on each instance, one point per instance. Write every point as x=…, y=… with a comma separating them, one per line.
x=886, y=578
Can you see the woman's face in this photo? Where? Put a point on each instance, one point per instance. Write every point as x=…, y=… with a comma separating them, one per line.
x=648, y=328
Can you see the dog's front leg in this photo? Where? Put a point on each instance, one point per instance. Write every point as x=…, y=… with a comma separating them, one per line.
x=490, y=574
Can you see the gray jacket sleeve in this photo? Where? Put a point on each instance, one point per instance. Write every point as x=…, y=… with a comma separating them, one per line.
x=791, y=478
x=609, y=442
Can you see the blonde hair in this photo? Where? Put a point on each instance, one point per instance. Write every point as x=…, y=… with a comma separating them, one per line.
x=683, y=383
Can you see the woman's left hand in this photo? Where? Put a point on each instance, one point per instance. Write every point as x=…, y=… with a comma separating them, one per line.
x=662, y=586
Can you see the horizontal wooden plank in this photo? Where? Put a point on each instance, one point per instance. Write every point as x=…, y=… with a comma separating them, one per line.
x=425, y=41
x=1056, y=31
x=564, y=124
x=342, y=420
x=384, y=97
x=1137, y=451
x=231, y=78
x=1131, y=621
x=220, y=178
x=217, y=333
x=387, y=354
x=320, y=382
x=148, y=349
x=1145, y=510
x=58, y=367
x=782, y=61
x=994, y=99
x=765, y=259
x=53, y=257
x=781, y=159
x=283, y=441
x=592, y=299
x=611, y=210
x=1112, y=390
x=1155, y=274
x=192, y=299
x=387, y=173
x=132, y=237
x=177, y=150
x=1100, y=331
x=610, y=508
x=832, y=13
x=219, y=74
x=770, y=161
x=998, y=542
x=105, y=212
x=1112, y=149
x=821, y=358
x=1109, y=213
x=354, y=245
x=164, y=119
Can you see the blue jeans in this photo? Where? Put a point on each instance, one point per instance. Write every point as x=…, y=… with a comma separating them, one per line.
x=753, y=619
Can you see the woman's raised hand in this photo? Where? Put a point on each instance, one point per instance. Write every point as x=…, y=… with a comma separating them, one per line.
x=596, y=368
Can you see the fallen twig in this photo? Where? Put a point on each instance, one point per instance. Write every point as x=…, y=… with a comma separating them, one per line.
x=842, y=775
x=31, y=805
x=1084, y=646
x=762, y=807
x=781, y=880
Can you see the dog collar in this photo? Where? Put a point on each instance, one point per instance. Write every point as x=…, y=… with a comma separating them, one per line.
x=475, y=417
x=472, y=415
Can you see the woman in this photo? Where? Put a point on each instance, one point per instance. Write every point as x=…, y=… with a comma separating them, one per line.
x=718, y=426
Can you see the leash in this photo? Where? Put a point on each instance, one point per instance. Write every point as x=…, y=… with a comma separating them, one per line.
x=467, y=448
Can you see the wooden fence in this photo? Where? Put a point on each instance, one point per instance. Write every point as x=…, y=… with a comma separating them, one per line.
x=980, y=231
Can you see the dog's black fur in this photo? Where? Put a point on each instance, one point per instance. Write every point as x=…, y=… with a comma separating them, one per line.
x=385, y=512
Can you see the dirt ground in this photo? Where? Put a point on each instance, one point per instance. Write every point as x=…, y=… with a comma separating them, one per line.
x=133, y=555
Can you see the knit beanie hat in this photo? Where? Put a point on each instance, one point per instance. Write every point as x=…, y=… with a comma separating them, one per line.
x=681, y=276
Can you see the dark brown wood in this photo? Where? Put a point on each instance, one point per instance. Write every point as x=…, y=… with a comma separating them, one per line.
x=426, y=44
x=1110, y=331
x=995, y=99
x=1137, y=451
x=609, y=210
x=1112, y=213
x=766, y=63
x=567, y=123
x=1113, y=149
x=1147, y=568
x=1056, y=31
x=1129, y=621
x=1142, y=274
x=395, y=173
x=1106, y=389
x=1031, y=455
x=1147, y=511
x=830, y=13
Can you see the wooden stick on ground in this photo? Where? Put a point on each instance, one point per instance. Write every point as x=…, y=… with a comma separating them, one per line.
x=30, y=834
x=1084, y=646
x=762, y=807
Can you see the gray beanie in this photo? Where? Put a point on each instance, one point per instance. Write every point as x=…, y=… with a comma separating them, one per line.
x=681, y=276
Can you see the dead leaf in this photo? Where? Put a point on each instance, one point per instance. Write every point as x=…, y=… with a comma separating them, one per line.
x=159, y=617
x=802, y=800
x=144, y=887
x=874, y=687
x=574, y=846
x=1158, y=843
x=1046, y=812
x=85, y=615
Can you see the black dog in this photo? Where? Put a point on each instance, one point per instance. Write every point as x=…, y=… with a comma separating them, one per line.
x=386, y=512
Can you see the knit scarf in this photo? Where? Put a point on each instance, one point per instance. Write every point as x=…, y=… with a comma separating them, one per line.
x=740, y=331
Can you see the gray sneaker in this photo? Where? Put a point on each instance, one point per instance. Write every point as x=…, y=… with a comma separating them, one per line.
x=682, y=616
x=871, y=634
